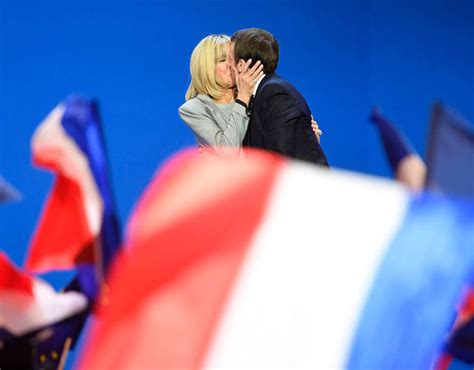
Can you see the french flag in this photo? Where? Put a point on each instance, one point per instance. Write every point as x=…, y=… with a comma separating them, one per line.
x=78, y=226
x=263, y=262
x=28, y=303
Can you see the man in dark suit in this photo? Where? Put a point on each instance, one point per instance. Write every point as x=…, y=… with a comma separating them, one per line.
x=280, y=117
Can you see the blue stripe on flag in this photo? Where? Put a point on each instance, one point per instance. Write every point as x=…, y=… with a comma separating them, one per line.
x=81, y=121
x=410, y=306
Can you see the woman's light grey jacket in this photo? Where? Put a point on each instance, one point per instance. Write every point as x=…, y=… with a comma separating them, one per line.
x=210, y=125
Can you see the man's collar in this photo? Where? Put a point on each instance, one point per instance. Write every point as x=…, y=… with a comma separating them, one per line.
x=257, y=83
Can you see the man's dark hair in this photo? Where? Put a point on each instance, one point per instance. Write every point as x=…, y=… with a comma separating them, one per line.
x=256, y=44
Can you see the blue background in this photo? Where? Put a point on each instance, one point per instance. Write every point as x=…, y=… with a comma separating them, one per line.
x=344, y=56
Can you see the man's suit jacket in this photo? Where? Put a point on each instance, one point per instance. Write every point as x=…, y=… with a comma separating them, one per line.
x=281, y=122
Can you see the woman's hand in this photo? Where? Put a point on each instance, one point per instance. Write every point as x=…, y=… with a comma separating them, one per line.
x=316, y=129
x=246, y=79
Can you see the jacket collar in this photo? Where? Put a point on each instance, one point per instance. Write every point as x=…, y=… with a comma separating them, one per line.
x=265, y=79
x=204, y=98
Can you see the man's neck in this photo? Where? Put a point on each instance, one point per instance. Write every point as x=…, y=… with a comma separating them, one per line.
x=257, y=83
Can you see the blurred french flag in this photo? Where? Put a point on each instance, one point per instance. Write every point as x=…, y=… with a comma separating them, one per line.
x=28, y=303
x=35, y=320
x=263, y=262
x=78, y=227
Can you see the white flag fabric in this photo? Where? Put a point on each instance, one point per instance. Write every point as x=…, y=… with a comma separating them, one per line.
x=28, y=303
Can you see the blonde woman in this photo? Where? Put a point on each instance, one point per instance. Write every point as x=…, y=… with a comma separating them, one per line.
x=218, y=96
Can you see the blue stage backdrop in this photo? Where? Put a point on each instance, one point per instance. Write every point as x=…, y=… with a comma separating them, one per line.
x=344, y=56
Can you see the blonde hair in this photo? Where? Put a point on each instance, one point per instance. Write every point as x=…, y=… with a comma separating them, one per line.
x=204, y=58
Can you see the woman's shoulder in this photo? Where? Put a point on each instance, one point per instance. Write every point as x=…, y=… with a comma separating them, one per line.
x=197, y=110
x=197, y=104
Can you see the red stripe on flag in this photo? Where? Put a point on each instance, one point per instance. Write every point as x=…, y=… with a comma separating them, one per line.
x=168, y=290
x=443, y=362
x=62, y=237
x=12, y=279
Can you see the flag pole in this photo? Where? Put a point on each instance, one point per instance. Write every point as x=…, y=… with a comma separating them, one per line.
x=66, y=349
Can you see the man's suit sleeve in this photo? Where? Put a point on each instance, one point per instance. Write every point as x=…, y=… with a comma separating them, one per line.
x=287, y=129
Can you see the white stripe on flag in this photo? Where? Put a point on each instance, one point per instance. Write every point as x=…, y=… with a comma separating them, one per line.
x=20, y=313
x=305, y=298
